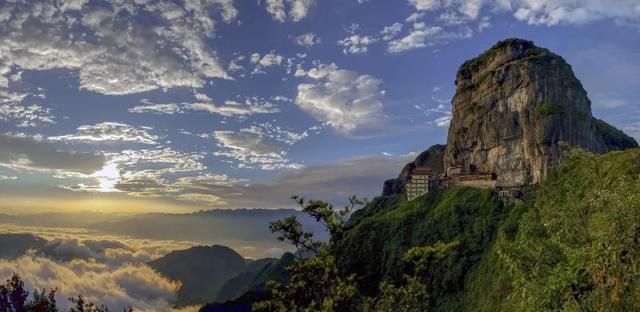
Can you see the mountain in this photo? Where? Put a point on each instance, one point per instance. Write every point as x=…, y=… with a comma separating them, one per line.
x=240, y=292
x=16, y=245
x=569, y=243
x=246, y=230
x=516, y=106
x=201, y=270
x=243, y=282
x=236, y=228
x=82, y=219
x=513, y=106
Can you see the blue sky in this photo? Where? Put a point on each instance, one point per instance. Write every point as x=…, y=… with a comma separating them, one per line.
x=162, y=105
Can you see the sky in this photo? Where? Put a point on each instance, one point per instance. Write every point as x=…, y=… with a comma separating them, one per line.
x=182, y=105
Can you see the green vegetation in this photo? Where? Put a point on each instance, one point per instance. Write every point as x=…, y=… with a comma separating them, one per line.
x=374, y=247
x=612, y=136
x=575, y=246
x=473, y=64
x=546, y=109
x=572, y=244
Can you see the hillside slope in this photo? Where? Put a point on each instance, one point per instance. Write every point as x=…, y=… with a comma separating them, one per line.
x=573, y=243
x=375, y=242
x=202, y=270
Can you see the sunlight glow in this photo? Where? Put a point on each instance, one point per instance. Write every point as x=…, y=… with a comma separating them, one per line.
x=108, y=177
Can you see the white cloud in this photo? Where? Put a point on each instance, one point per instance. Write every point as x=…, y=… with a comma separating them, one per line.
x=271, y=59
x=343, y=98
x=145, y=172
x=4, y=177
x=307, y=40
x=25, y=116
x=233, y=108
x=356, y=44
x=207, y=181
x=471, y=8
x=333, y=182
x=268, y=60
x=425, y=5
x=484, y=23
x=450, y=18
x=443, y=121
x=414, y=17
x=110, y=49
x=277, y=133
x=149, y=107
x=135, y=285
x=32, y=154
x=537, y=12
x=250, y=149
x=415, y=39
x=251, y=106
x=109, y=132
x=277, y=9
x=389, y=32
x=297, y=9
x=142, y=173
x=444, y=109
x=574, y=12
x=12, y=109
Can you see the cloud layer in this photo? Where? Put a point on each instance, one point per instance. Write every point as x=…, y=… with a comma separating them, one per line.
x=342, y=98
x=21, y=152
x=101, y=269
x=109, y=44
x=117, y=287
x=283, y=10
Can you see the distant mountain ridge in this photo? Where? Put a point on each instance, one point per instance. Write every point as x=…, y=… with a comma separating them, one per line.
x=16, y=245
x=217, y=273
x=236, y=228
x=202, y=270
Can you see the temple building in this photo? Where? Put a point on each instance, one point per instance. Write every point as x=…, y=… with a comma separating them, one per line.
x=419, y=182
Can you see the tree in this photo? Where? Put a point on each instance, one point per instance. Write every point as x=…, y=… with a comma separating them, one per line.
x=43, y=301
x=14, y=298
x=315, y=283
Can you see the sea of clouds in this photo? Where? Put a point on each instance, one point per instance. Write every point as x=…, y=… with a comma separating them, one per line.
x=108, y=270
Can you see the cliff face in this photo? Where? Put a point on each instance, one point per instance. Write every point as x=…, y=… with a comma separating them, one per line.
x=513, y=105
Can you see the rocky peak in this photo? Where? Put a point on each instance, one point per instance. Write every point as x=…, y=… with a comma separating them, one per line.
x=513, y=106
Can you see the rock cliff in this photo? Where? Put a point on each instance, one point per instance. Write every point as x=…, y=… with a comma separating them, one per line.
x=514, y=105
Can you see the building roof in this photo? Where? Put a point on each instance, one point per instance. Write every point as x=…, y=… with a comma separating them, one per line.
x=422, y=171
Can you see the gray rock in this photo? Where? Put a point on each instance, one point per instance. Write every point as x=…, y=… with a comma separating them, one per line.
x=513, y=106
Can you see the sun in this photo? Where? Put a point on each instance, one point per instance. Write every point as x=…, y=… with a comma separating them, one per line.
x=107, y=177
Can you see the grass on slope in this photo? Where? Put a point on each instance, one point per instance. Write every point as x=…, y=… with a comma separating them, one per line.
x=574, y=246
x=380, y=235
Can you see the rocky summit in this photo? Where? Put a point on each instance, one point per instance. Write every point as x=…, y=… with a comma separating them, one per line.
x=514, y=105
